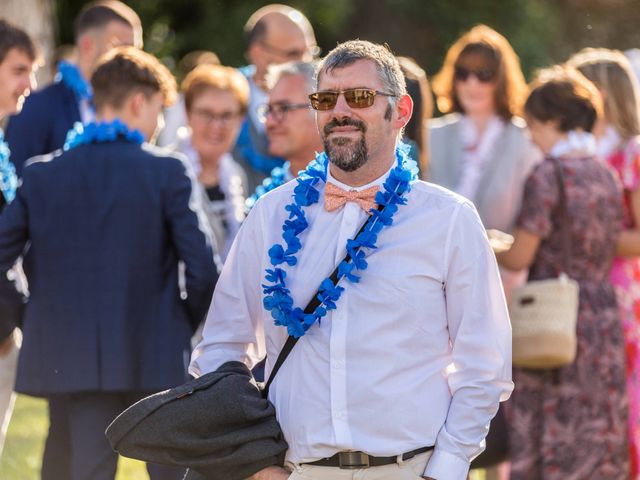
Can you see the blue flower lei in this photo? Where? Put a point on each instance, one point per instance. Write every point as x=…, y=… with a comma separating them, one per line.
x=279, y=176
x=277, y=297
x=70, y=75
x=8, y=176
x=100, y=133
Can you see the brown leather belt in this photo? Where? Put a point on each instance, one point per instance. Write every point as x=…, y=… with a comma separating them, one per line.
x=353, y=460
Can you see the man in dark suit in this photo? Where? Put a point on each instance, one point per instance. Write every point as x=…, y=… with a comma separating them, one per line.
x=50, y=113
x=41, y=127
x=108, y=220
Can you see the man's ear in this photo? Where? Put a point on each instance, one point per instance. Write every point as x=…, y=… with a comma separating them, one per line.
x=136, y=103
x=86, y=44
x=404, y=109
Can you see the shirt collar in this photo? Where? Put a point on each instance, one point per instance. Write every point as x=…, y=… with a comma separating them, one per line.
x=378, y=181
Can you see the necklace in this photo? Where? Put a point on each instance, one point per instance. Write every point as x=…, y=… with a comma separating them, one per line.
x=100, y=133
x=70, y=75
x=279, y=176
x=277, y=297
x=8, y=177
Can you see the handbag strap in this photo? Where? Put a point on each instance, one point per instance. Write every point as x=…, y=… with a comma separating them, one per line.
x=564, y=215
x=310, y=308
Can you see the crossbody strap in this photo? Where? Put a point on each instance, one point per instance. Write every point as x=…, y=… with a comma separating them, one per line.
x=564, y=215
x=310, y=308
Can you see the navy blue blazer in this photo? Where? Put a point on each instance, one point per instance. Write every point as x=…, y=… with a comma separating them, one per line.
x=42, y=125
x=106, y=225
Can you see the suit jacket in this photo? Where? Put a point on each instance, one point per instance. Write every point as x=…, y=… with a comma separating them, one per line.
x=42, y=125
x=106, y=226
x=499, y=192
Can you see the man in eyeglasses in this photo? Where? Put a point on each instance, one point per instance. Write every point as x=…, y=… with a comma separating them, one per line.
x=274, y=34
x=289, y=119
x=400, y=370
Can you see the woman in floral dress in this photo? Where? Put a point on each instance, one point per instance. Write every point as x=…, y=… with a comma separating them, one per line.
x=570, y=423
x=618, y=144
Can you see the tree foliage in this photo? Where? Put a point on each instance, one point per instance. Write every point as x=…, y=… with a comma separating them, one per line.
x=541, y=31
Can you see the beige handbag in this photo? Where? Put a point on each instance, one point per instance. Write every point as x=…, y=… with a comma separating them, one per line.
x=544, y=313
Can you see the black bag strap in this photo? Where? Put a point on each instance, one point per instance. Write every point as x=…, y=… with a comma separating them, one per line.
x=310, y=308
x=564, y=214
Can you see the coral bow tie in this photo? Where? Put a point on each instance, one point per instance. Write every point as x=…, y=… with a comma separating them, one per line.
x=335, y=197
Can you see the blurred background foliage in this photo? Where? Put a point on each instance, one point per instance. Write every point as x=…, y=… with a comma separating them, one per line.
x=541, y=31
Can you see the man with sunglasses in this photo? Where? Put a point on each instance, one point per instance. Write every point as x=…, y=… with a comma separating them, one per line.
x=403, y=373
x=274, y=34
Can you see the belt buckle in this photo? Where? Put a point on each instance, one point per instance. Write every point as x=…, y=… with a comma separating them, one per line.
x=353, y=460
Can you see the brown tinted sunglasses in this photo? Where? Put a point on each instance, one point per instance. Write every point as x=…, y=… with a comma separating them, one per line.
x=355, y=98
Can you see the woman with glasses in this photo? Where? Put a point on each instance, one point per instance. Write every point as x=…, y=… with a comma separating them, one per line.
x=480, y=149
x=216, y=100
x=619, y=145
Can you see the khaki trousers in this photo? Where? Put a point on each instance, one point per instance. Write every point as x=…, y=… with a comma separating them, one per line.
x=411, y=469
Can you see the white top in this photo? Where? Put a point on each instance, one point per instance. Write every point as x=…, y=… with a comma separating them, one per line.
x=418, y=353
x=477, y=151
x=224, y=217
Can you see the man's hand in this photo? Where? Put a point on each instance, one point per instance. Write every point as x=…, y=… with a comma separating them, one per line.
x=271, y=473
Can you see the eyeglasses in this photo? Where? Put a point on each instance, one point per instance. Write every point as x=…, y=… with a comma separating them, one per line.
x=279, y=110
x=225, y=119
x=292, y=54
x=484, y=75
x=355, y=98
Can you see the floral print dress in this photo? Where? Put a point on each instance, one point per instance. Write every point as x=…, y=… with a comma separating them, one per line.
x=570, y=423
x=625, y=276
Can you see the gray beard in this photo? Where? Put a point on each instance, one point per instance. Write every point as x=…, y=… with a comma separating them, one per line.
x=345, y=155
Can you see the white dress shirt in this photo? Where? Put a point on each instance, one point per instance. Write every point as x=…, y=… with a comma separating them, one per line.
x=417, y=354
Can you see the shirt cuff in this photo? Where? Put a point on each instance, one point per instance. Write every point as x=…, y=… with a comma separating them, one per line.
x=446, y=466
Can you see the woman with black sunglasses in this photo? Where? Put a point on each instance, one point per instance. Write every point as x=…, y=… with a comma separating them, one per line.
x=479, y=150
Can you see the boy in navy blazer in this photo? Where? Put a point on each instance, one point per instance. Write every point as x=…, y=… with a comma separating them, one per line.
x=48, y=114
x=17, y=61
x=107, y=220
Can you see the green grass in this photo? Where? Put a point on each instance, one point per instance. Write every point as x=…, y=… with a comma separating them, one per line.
x=23, y=447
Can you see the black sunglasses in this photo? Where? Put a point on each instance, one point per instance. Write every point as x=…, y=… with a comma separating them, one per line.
x=355, y=98
x=484, y=75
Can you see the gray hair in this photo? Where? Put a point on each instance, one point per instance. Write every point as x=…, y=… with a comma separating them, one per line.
x=387, y=65
x=307, y=70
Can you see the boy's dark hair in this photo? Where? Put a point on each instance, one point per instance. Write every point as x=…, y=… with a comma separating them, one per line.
x=564, y=95
x=126, y=70
x=13, y=37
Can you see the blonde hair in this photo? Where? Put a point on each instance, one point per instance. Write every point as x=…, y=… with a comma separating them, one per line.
x=611, y=72
x=216, y=77
x=511, y=87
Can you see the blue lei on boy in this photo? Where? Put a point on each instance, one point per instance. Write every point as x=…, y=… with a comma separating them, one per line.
x=8, y=176
x=277, y=297
x=100, y=132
